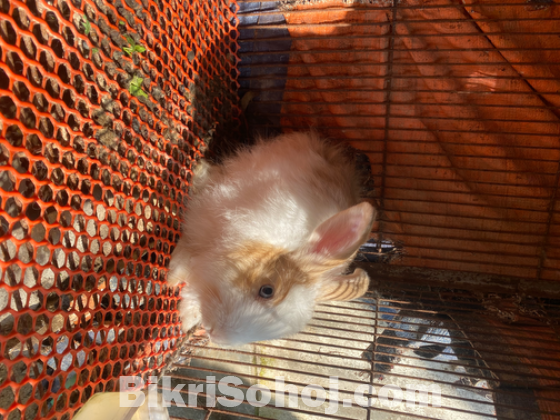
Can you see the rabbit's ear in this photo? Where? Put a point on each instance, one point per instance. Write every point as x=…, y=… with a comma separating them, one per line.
x=339, y=237
x=344, y=288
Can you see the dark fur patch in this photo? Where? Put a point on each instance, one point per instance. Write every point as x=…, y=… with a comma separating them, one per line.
x=260, y=264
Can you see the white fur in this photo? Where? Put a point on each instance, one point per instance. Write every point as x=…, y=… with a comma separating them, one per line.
x=272, y=194
x=240, y=319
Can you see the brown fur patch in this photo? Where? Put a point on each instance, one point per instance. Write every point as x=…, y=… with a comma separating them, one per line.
x=259, y=264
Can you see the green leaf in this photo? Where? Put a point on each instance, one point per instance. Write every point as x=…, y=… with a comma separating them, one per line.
x=135, y=88
x=86, y=24
x=136, y=81
x=95, y=50
x=134, y=47
x=141, y=94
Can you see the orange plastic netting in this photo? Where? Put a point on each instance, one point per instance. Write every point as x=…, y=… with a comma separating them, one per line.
x=103, y=106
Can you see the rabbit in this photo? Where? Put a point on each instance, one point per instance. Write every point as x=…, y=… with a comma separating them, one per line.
x=267, y=234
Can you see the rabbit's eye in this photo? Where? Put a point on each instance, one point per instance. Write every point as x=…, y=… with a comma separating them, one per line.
x=266, y=292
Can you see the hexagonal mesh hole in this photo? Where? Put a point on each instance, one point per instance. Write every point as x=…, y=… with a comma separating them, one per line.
x=100, y=132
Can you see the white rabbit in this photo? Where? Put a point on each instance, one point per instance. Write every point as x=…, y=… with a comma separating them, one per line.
x=266, y=235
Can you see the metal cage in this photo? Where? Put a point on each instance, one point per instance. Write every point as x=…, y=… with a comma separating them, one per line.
x=104, y=105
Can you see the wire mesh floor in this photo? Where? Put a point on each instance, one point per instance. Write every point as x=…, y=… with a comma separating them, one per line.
x=490, y=356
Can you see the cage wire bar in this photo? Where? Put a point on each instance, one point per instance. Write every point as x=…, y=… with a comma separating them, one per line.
x=456, y=105
x=104, y=105
x=400, y=334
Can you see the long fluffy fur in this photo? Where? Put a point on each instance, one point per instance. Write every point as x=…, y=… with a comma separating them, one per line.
x=274, y=194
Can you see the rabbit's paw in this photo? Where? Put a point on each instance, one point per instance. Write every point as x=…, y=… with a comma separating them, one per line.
x=189, y=310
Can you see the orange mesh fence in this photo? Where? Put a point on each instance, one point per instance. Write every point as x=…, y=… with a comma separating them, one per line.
x=103, y=107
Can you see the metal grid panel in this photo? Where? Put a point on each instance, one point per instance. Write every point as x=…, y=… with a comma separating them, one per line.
x=493, y=356
x=456, y=104
x=103, y=107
